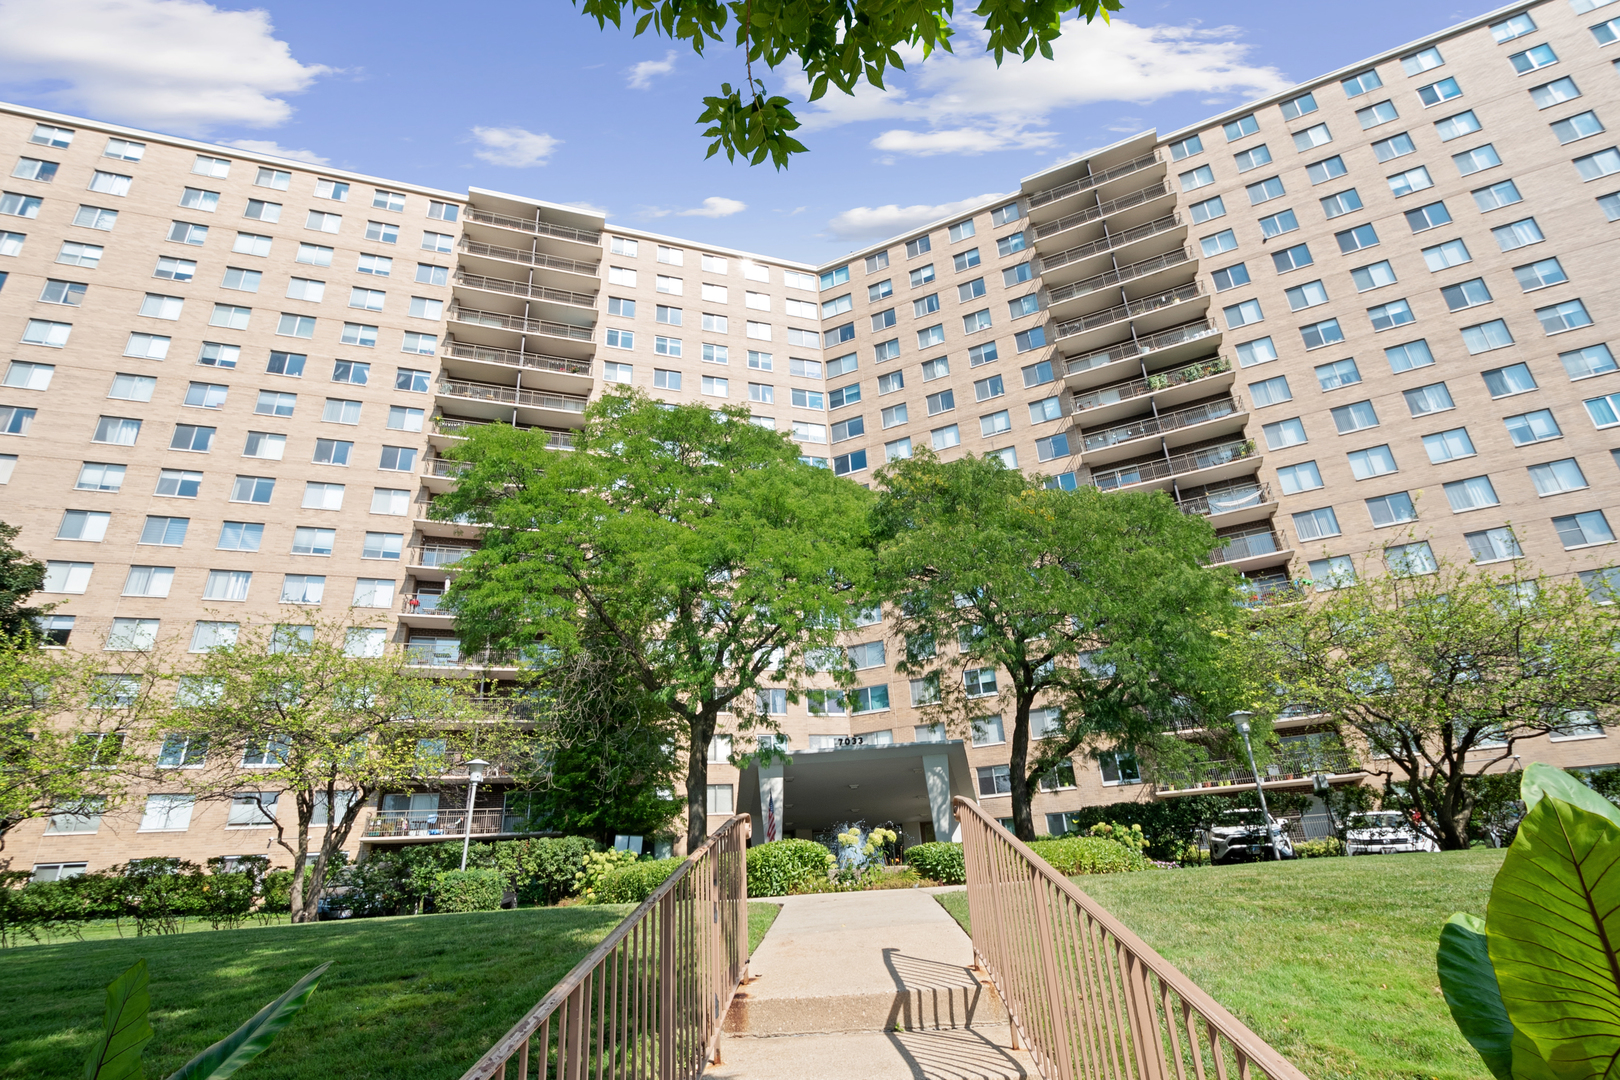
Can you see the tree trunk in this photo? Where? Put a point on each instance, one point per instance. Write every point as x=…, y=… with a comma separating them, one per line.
x=300, y=881
x=697, y=778
x=1455, y=809
x=1023, y=818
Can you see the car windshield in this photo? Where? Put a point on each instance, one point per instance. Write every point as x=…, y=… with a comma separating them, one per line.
x=1390, y=820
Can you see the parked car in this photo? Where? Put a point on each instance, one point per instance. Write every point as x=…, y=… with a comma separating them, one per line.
x=1242, y=836
x=1384, y=832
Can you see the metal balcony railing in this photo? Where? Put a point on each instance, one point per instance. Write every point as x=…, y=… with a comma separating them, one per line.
x=439, y=554
x=1247, y=546
x=444, y=467
x=446, y=652
x=520, y=288
x=1158, y=425
x=528, y=225
x=1129, y=310
x=447, y=425
x=511, y=395
x=1176, y=465
x=1110, y=242
x=387, y=824
x=527, y=258
x=1164, y=339
x=1120, y=276
x=422, y=604
x=1285, y=766
x=518, y=358
x=1102, y=210
x=502, y=321
x=1150, y=384
x=1225, y=502
x=1086, y=183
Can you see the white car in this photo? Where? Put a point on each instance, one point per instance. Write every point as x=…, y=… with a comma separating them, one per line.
x=1384, y=832
x=1241, y=836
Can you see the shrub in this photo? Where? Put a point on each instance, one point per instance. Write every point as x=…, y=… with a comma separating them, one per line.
x=1316, y=849
x=468, y=890
x=633, y=882
x=1168, y=826
x=942, y=862
x=596, y=865
x=277, y=893
x=542, y=870
x=779, y=867
x=1089, y=855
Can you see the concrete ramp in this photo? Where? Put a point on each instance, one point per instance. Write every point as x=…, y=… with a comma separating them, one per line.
x=869, y=984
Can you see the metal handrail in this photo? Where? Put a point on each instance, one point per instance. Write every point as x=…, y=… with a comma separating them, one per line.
x=1224, y=502
x=1151, y=384
x=527, y=258
x=650, y=999
x=444, y=824
x=511, y=395
x=1101, y=210
x=524, y=289
x=444, y=467
x=1247, y=545
x=1086, y=995
x=502, y=321
x=451, y=425
x=439, y=554
x=1176, y=465
x=1284, y=766
x=423, y=604
x=1128, y=310
x=538, y=228
x=1156, y=425
x=1086, y=183
x=1120, y=275
x=1110, y=242
x=1164, y=339
x=489, y=354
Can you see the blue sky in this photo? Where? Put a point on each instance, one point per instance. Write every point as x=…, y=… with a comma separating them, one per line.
x=530, y=97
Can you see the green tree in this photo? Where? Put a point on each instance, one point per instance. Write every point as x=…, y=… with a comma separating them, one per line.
x=1096, y=604
x=837, y=46
x=310, y=723
x=65, y=720
x=695, y=541
x=20, y=578
x=1439, y=671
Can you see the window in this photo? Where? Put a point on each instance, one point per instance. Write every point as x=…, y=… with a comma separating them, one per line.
x=1230, y=277
x=1355, y=417
x=353, y=333
x=1242, y=127
x=1320, y=172
x=1297, y=478
x=1472, y=494
x=241, y=536
x=1415, y=558
x=1258, y=351
x=1556, y=477
x=151, y=581
x=1570, y=315
x=29, y=376
x=1518, y=234
x=86, y=525
x=1436, y=92
x=1389, y=510
x=1466, y=294
x=72, y=253
x=930, y=336
x=1292, y=109
x=115, y=430
x=178, y=483
x=1271, y=391
x=1405, y=183
x=1538, y=275
x=944, y=401
x=1339, y=373
x=191, y=198
x=1265, y=190
x=332, y=452
x=1243, y=314
x=98, y=476
x=1584, y=363
x=1306, y=295
x=1284, y=433
x=1292, y=258
x=1505, y=381
x=1316, y=524
x=1533, y=59
x=1186, y=148
x=1496, y=196
x=1512, y=27
x=249, y=489
x=1427, y=399
x=1326, y=332
x=1486, y=336
x=1312, y=137
x=1374, y=115
x=1579, y=126
x=1255, y=156
x=66, y=577
x=1374, y=461
x=1208, y=210
x=1532, y=427
x=319, y=496
x=192, y=438
x=1603, y=163
x=1342, y=203
x=1583, y=530
x=1558, y=91
x=946, y=437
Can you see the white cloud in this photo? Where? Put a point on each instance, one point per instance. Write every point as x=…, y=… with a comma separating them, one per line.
x=714, y=207
x=265, y=146
x=589, y=208
x=642, y=75
x=965, y=104
x=178, y=65
x=513, y=146
x=870, y=221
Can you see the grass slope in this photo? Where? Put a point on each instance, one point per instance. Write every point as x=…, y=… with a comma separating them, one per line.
x=417, y=998
x=1331, y=961
x=760, y=917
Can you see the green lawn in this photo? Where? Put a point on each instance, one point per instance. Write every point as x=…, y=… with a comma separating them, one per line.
x=1331, y=961
x=415, y=998
x=760, y=917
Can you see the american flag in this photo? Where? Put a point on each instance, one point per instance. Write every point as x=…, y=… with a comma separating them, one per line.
x=771, y=831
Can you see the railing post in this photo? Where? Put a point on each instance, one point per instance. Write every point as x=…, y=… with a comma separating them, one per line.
x=666, y=987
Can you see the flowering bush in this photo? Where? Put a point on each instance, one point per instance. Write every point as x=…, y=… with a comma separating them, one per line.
x=784, y=866
x=596, y=865
x=941, y=862
x=1090, y=855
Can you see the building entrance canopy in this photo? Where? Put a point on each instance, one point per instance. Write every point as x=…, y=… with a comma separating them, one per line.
x=910, y=784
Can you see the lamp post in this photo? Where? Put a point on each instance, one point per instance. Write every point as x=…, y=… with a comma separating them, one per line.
x=1241, y=719
x=475, y=772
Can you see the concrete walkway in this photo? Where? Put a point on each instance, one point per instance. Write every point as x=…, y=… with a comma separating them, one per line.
x=867, y=985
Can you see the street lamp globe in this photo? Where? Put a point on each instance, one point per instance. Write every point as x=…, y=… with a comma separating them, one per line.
x=475, y=770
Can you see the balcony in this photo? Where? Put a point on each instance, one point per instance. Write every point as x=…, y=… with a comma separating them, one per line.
x=508, y=287
x=443, y=824
x=516, y=358
x=1109, y=243
x=1248, y=546
x=424, y=609
x=446, y=653
x=1096, y=213
x=451, y=428
x=1236, y=457
x=1096, y=368
x=511, y=395
x=438, y=556
x=1235, y=503
x=1133, y=272
x=1097, y=444
x=1131, y=309
x=527, y=258
x=1039, y=199
x=1195, y=379
x=501, y=321
x=1288, y=769
x=532, y=227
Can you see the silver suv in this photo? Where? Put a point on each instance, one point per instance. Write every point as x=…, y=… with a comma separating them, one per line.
x=1384, y=832
x=1241, y=836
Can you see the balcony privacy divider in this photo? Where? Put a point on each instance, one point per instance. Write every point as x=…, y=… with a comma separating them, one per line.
x=648, y=1001
x=1087, y=997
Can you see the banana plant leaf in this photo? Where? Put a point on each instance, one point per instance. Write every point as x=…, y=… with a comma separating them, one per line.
x=254, y=1037
x=1469, y=984
x=1542, y=780
x=117, y=1054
